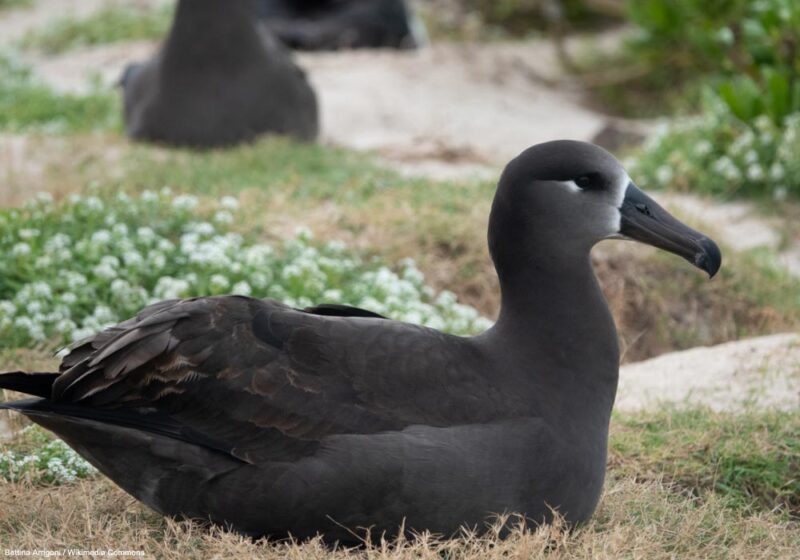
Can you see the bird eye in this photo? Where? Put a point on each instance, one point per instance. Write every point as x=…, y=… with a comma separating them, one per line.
x=589, y=182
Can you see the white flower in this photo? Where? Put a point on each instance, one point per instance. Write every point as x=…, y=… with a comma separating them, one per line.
x=104, y=271
x=34, y=307
x=185, y=202
x=69, y=298
x=703, y=148
x=148, y=196
x=120, y=230
x=223, y=217
x=157, y=259
x=229, y=202
x=171, y=288
x=58, y=242
x=44, y=197
x=75, y=281
x=101, y=237
x=218, y=282
x=725, y=36
x=727, y=168
x=21, y=250
x=7, y=308
x=755, y=172
x=201, y=228
x=777, y=172
x=65, y=326
x=145, y=234
x=28, y=233
x=103, y=314
x=242, y=288
x=93, y=203
x=133, y=259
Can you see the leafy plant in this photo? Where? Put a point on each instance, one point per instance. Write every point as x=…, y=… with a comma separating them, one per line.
x=68, y=270
x=720, y=154
x=751, y=49
x=36, y=457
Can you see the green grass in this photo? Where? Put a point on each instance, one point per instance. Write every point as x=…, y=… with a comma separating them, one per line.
x=28, y=104
x=752, y=459
x=111, y=24
x=8, y=4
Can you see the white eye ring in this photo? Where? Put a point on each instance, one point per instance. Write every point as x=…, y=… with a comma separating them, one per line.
x=570, y=185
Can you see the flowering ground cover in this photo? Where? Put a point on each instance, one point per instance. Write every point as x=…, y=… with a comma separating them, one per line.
x=719, y=154
x=68, y=270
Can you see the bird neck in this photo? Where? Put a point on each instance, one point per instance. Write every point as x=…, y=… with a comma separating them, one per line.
x=556, y=330
x=211, y=32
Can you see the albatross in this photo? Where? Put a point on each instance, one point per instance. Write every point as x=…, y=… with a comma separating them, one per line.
x=219, y=79
x=278, y=421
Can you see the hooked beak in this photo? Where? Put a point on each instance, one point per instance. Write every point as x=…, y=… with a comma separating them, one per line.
x=642, y=219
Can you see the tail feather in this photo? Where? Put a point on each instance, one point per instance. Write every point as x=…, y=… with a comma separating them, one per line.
x=36, y=384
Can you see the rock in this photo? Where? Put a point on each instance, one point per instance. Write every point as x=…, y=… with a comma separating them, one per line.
x=760, y=372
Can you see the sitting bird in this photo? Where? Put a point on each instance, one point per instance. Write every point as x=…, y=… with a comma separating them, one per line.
x=218, y=80
x=278, y=421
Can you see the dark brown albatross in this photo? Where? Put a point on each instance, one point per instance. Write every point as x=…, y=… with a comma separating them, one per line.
x=279, y=421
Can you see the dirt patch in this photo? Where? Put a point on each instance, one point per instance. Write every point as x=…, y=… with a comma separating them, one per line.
x=741, y=226
x=450, y=110
x=14, y=24
x=761, y=372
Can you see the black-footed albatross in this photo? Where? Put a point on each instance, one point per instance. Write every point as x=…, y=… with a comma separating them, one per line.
x=218, y=80
x=278, y=421
x=343, y=24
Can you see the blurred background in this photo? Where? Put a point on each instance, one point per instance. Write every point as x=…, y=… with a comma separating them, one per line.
x=386, y=207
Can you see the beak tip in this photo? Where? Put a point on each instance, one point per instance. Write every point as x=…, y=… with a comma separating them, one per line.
x=710, y=259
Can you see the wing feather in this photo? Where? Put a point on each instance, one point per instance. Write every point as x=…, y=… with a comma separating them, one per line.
x=269, y=381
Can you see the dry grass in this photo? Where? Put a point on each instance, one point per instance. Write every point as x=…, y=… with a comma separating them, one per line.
x=635, y=520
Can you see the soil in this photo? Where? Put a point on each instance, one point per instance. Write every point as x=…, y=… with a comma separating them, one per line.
x=759, y=372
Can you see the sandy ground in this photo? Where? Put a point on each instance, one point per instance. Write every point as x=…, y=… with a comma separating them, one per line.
x=760, y=372
x=459, y=110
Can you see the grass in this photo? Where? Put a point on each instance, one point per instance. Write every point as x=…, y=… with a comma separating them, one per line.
x=28, y=104
x=110, y=24
x=685, y=484
x=752, y=460
x=9, y=4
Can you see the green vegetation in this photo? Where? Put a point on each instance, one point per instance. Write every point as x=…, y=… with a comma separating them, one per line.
x=111, y=24
x=8, y=4
x=67, y=271
x=27, y=104
x=753, y=47
x=36, y=457
x=721, y=155
x=751, y=459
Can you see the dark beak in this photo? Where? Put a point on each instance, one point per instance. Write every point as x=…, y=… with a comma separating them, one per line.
x=644, y=220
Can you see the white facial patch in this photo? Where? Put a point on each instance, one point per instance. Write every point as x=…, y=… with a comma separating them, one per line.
x=618, y=192
x=621, y=188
